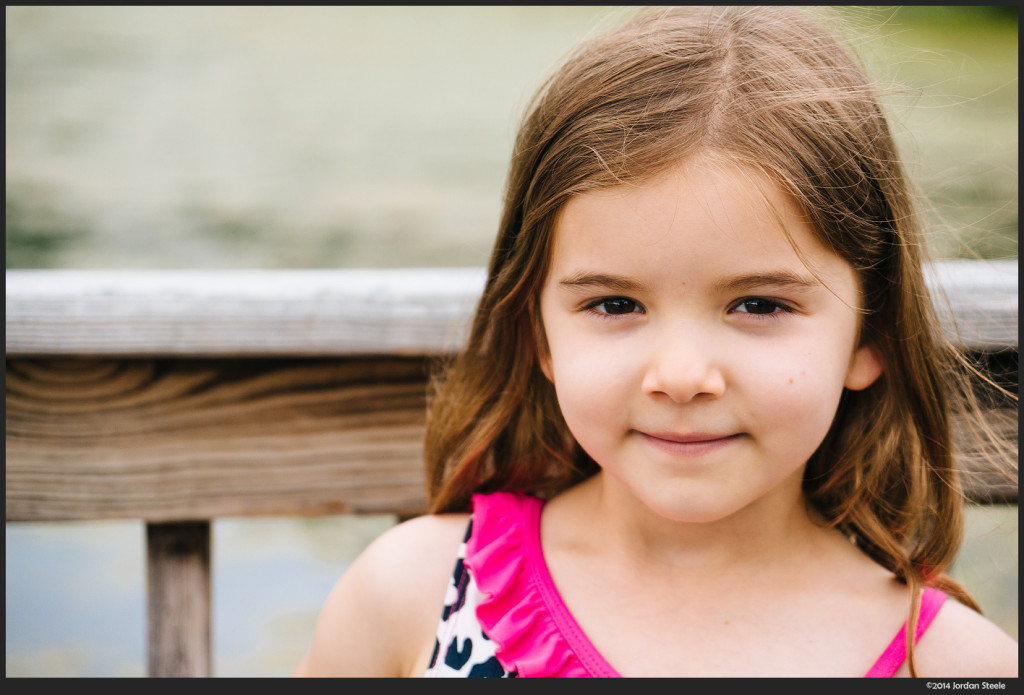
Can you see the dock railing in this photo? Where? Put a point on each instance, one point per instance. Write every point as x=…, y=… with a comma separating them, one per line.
x=181, y=397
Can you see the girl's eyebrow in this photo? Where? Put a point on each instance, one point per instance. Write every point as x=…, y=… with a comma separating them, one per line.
x=614, y=283
x=783, y=279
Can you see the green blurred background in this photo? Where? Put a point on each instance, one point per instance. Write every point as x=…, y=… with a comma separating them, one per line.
x=273, y=137
x=339, y=137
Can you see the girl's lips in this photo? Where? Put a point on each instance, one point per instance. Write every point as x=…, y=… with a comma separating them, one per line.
x=696, y=444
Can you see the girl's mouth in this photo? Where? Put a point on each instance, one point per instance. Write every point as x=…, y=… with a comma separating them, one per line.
x=693, y=444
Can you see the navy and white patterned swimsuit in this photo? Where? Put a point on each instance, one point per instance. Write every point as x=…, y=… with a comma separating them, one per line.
x=461, y=648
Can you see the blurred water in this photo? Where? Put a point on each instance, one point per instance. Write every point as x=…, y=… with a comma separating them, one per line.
x=142, y=137
x=267, y=136
x=191, y=137
x=76, y=603
x=75, y=593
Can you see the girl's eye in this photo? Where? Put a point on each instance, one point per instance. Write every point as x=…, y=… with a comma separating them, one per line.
x=760, y=306
x=613, y=306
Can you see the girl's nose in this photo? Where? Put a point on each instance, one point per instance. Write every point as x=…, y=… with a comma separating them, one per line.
x=682, y=368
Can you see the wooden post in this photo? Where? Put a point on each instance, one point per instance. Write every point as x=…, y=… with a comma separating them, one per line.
x=178, y=579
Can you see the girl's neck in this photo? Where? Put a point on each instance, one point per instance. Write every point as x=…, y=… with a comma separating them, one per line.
x=598, y=516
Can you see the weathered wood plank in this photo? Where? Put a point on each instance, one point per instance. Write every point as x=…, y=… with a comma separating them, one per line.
x=178, y=599
x=239, y=312
x=180, y=439
x=977, y=302
x=343, y=312
x=195, y=439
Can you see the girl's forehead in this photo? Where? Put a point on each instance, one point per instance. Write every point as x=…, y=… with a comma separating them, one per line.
x=707, y=215
x=721, y=196
x=704, y=172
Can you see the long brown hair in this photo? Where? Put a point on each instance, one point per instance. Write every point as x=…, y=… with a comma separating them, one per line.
x=765, y=87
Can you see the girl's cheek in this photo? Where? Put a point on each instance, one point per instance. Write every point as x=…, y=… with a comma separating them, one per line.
x=799, y=394
x=586, y=376
x=592, y=373
x=797, y=380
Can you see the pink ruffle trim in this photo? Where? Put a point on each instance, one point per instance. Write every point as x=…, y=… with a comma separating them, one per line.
x=520, y=609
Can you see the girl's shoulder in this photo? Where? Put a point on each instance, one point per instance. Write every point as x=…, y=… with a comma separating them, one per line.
x=962, y=643
x=381, y=616
x=423, y=542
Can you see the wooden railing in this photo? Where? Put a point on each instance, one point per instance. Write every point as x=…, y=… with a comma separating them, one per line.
x=179, y=397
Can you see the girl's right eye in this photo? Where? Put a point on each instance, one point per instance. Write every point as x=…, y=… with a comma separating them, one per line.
x=614, y=306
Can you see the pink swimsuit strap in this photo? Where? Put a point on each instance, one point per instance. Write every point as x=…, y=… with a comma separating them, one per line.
x=896, y=653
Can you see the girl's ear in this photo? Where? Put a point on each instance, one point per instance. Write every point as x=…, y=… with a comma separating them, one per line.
x=865, y=368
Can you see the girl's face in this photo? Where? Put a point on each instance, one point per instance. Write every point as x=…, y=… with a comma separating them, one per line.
x=698, y=357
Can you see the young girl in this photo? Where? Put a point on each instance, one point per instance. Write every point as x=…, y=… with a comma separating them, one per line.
x=702, y=423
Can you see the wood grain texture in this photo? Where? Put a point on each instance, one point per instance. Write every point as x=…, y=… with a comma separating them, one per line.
x=174, y=440
x=178, y=599
x=239, y=312
x=977, y=302
x=194, y=439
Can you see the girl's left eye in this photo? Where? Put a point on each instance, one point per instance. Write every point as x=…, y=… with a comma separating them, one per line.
x=760, y=306
x=614, y=306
